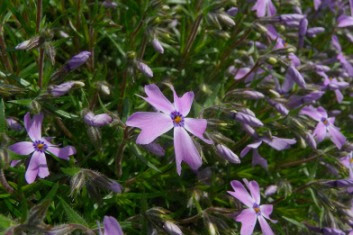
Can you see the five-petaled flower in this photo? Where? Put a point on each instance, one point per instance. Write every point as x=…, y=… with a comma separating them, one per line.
x=325, y=126
x=255, y=211
x=168, y=115
x=38, y=146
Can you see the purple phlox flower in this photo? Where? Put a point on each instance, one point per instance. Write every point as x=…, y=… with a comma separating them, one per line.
x=232, y=11
x=154, y=148
x=270, y=190
x=344, y=21
x=64, y=88
x=13, y=124
x=145, y=69
x=227, y=154
x=275, y=142
x=97, y=120
x=335, y=85
x=167, y=117
x=303, y=28
x=295, y=100
x=157, y=46
x=293, y=76
x=264, y=8
x=246, y=116
x=255, y=212
x=111, y=226
x=38, y=146
x=109, y=4
x=312, y=32
x=77, y=60
x=325, y=127
x=341, y=57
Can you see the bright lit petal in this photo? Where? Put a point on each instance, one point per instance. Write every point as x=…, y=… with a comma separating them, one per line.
x=248, y=219
x=156, y=98
x=22, y=148
x=197, y=127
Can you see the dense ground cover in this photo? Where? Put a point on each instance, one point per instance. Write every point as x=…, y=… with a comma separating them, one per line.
x=176, y=116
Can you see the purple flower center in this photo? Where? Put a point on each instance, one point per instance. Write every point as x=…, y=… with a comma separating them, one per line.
x=40, y=146
x=325, y=121
x=177, y=118
x=256, y=209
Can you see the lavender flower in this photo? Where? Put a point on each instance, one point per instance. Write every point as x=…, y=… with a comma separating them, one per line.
x=157, y=46
x=264, y=8
x=77, y=60
x=227, y=154
x=255, y=212
x=64, y=88
x=97, y=120
x=145, y=69
x=111, y=226
x=325, y=126
x=168, y=116
x=38, y=146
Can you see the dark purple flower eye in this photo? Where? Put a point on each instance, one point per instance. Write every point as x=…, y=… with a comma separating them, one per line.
x=40, y=146
x=177, y=118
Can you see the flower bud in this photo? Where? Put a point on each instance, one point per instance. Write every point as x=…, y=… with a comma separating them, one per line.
x=252, y=94
x=109, y=4
x=343, y=183
x=312, y=32
x=13, y=124
x=310, y=140
x=157, y=46
x=224, y=18
x=64, y=88
x=227, y=154
x=232, y=11
x=248, y=118
x=272, y=60
x=97, y=120
x=32, y=43
x=104, y=88
x=145, y=69
x=77, y=60
x=270, y=190
x=212, y=230
x=172, y=228
x=154, y=148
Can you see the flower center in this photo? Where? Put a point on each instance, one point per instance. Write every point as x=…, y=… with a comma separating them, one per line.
x=40, y=146
x=325, y=121
x=257, y=209
x=351, y=160
x=177, y=118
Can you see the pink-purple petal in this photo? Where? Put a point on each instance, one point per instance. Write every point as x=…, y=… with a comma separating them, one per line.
x=185, y=150
x=265, y=227
x=249, y=147
x=257, y=159
x=33, y=167
x=43, y=170
x=248, y=218
x=35, y=128
x=241, y=193
x=266, y=210
x=156, y=98
x=111, y=226
x=254, y=189
x=345, y=21
x=152, y=125
x=97, y=120
x=311, y=112
x=63, y=153
x=197, y=127
x=22, y=148
x=320, y=132
x=336, y=136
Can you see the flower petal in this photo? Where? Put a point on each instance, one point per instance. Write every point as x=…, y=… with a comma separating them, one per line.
x=344, y=21
x=22, y=148
x=279, y=143
x=254, y=189
x=336, y=136
x=260, y=8
x=182, y=104
x=37, y=162
x=111, y=226
x=266, y=210
x=156, y=98
x=151, y=124
x=257, y=159
x=313, y=113
x=241, y=193
x=43, y=170
x=97, y=120
x=254, y=145
x=339, y=96
x=63, y=153
x=320, y=132
x=185, y=150
x=265, y=227
x=197, y=127
x=34, y=127
x=248, y=218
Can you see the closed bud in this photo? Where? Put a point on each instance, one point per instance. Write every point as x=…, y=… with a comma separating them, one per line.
x=95, y=136
x=343, y=183
x=212, y=230
x=157, y=46
x=252, y=94
x=171, y=228
x=227, y=154
x=224, y=18
x=131, y=54
x=270, y=190
x=32, y=43
x=64, y=88
x=35, y=106
x=104, y=88
x=248, y=118
x=98, y=120
x=272, y=60
x=154, y=148
x=77, y=60
x=145, y=69
x=310, y=140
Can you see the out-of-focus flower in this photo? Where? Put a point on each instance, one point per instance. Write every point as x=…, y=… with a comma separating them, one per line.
x=232, y=11
x=264, y=8
x=312, y=32
x=333, y=84
x=295, y=101
x=97, y=120
x=341, y=57
x=274, y=142
x=154, y=148
x=255, y=212
x=303, y=27
x=111, y=226
x=270, y=190
x=172, y=228
x=325, y=127
x=145, y=69
x=157, y=46
x=227, y=154
x=77, y=60
x=344, y=21
x=38, y=146
x=310, y=140
x=155, y=124
x=325, y=230
x=293, y=76
x=109, y=4
x=64, y=88
x=13, y=124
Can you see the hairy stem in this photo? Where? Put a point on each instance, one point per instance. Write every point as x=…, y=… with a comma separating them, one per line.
x=4, y=182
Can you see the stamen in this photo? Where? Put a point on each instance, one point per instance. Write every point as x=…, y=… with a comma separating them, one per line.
x=257, y=209
x=177, y=118
x=40, y=146
x=325, y=121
